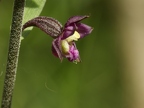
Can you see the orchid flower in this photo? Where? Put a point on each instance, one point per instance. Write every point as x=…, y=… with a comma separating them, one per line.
x=63, y=45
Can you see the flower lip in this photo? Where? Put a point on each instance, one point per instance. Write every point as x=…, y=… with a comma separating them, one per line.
x=73, y=54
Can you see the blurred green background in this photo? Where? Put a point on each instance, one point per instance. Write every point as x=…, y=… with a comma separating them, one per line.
x=44, y=82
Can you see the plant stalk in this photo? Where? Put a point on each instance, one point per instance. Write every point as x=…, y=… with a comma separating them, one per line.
x=13, y=53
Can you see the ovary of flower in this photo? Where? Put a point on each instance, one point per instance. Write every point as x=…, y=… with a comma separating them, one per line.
x=65, y=43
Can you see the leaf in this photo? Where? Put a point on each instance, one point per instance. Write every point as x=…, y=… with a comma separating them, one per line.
x=32, y=9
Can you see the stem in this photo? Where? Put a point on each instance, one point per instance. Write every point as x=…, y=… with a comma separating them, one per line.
x=13, y=53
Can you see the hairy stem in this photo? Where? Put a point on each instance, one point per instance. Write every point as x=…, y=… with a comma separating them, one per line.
x=13, y=53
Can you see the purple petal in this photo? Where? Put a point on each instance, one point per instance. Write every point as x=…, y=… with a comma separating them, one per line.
x=68, y=31
x=56, y=48
x=83, y=29
x=75, y=19
x=73, y=54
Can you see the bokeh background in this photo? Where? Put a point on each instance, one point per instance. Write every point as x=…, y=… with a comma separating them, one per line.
x=44, y=82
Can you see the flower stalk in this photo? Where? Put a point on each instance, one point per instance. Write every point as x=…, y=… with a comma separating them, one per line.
x=13, y=53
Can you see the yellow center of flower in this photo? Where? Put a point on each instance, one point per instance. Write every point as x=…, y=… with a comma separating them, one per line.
x=65, y=42
x=73, y=37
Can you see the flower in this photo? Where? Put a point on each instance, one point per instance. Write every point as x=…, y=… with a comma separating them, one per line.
x=64, y=45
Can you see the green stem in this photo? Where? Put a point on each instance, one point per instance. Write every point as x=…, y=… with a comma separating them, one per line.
x=13, y=53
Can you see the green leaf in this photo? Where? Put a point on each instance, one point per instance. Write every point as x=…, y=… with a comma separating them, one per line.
x=32, y=9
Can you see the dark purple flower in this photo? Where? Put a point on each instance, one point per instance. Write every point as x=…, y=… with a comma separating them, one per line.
x=63, y=45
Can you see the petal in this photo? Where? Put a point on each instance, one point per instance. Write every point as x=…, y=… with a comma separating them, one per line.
x=75, y=19
x=54, y=52
x=73, y=54
x=56, y=48
x=76, y=53
x=83, y=29
x=68, y=31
